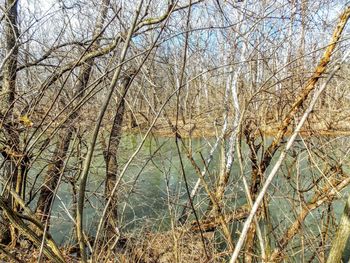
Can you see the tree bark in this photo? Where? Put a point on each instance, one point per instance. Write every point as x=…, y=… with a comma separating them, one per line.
x=7, y=100
x=52, y=177
x=111, y=158
x=341, y=237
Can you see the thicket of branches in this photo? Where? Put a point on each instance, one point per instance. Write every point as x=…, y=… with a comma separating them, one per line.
x=263, y=86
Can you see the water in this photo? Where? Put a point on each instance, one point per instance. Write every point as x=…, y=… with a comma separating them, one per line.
x=152, y=181
x=153, y=190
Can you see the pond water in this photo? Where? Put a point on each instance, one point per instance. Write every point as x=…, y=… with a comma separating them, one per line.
x=153, y=187
x=151, y=181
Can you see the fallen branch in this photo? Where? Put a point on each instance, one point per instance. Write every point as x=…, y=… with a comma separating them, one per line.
x=211, y=223
x=53, y=254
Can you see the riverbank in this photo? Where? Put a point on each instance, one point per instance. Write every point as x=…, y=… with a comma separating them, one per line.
x=207, y=127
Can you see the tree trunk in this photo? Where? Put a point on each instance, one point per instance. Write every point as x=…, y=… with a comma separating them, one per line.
x=342, y=236
x=60, y=153
x=7, y=99
x=52, y=177
x=112, y=160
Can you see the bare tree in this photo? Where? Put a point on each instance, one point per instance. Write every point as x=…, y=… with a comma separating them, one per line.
x=11, y=152
x=148, y=131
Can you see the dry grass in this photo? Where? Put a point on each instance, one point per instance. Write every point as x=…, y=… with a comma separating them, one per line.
x=170, y=247
x=163, y=247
